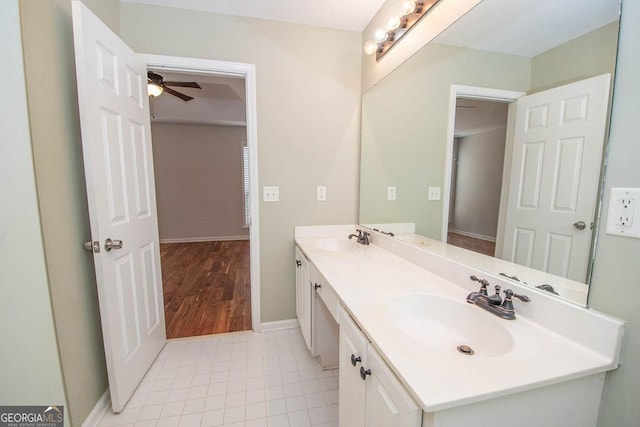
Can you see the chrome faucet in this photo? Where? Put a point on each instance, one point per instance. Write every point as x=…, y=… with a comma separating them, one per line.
x=494, y=304
x=363, y=237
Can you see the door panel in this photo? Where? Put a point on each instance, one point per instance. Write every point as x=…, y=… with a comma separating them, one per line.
x=114, y=119
x=557, y=155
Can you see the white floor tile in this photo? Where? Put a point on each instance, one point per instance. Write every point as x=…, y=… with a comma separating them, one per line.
x=299, y=419
x=213, y=418
x=239, y=379
x=254, y=411
x=191, y=420
x=193, y=406
x=234, y=415
x=172, y=409
x=169, y=422
x=278, y=421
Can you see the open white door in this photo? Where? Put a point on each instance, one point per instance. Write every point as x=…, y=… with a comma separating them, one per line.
x=557, y=154
x=116, y=142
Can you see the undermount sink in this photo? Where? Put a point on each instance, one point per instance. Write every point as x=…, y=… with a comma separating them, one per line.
x=335, y=245
x=445, y=324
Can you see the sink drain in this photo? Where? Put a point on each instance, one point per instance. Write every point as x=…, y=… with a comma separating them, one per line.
x=465, y=349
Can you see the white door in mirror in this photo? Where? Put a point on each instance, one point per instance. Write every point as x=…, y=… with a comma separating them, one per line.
x=624, y=213
x=557, y=146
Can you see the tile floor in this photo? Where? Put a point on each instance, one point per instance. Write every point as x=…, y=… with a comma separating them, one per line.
x=238, y=379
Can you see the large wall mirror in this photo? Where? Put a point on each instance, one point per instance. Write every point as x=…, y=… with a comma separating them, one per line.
x=491, y=139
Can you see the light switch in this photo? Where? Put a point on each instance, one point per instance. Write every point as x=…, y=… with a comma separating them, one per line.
x=271, y=194
x=434, y=193
x=321, y=194
x=391, y=193
x=623, y=216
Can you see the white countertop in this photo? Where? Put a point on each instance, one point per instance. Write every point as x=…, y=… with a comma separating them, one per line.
x=367, y=278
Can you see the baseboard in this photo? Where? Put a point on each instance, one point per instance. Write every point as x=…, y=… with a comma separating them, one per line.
x=474, y=235
x=203, y=239
x=279, y=324
x=101, y=407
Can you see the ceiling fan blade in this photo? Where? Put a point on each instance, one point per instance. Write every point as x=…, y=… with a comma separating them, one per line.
x=176, y=93
x=184, y=84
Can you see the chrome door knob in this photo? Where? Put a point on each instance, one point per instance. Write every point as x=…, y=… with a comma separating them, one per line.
x=92, y=246
x=580, y=225
x=113, y=244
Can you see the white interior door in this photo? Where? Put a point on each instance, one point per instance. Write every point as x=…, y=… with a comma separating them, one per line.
x=557, y=154
x=116, y=142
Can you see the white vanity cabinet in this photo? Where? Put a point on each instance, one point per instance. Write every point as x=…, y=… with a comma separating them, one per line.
x=316, y=308
x=303, y=296
x=370, y=394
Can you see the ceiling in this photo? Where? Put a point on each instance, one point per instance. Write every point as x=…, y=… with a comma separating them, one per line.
x=220, y=101
x=476, y=116
x=352, y=15
x=528, y=27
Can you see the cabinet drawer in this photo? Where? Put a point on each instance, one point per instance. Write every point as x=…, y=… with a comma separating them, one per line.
x=330, y=299
x=325, y=291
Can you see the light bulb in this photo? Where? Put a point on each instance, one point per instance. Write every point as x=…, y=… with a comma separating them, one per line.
x=393, y=23
x=370, y=47
x=380, y=35
x=154, y=89
x=407, y=7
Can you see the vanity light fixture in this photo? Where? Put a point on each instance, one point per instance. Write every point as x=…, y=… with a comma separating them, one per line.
x=154, y=89
x=409, y=13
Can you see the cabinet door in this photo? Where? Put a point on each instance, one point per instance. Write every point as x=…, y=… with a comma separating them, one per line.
x=352, y=390
x=387, y=401
x=303, y=296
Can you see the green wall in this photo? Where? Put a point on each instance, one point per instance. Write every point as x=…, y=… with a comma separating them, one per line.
x=586, y=56
x=30, y=372
x=47, y=38
x=404, y=129
x=308, y=113
x=615, y=287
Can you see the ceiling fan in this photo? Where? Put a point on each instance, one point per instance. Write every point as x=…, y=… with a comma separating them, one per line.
x=157, y=85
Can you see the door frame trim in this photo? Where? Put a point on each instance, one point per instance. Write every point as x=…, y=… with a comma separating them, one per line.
x=248, y=72
x=471, y=92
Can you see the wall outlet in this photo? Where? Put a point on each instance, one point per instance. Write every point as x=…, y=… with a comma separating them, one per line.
x=624, y=211
x=434, y=193
x=391, y=193
x=271, y=194
x=623, y=216
x=321, y=194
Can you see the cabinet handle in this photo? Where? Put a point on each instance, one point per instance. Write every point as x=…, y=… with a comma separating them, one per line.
x=298, y=263
x=355, y=360
x=316, y=286
x=364, y=373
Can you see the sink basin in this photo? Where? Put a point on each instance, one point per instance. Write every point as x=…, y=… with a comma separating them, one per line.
x=444, y=324
x=335, y=244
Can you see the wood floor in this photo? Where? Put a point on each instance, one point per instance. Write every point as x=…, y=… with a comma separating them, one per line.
x=477, y=245
x=207, y=288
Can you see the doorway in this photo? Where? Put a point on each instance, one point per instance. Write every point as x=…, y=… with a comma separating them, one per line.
x=469, y=101
x=476, y=173
x=198, y=126
x=205, y=159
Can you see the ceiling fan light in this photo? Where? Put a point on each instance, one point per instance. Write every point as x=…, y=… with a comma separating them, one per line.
x=154, y=89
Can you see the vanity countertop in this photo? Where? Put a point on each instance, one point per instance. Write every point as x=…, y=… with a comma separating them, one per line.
x=368, y=279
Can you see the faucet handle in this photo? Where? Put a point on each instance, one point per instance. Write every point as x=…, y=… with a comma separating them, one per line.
x=483, y=284
x=507, y=304
x=509, y=294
